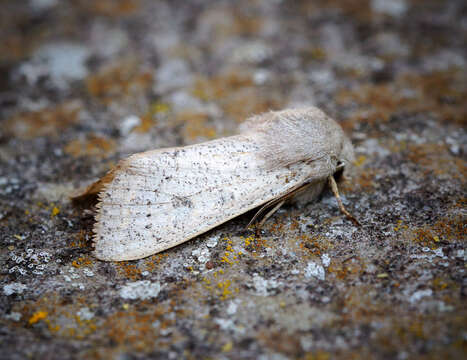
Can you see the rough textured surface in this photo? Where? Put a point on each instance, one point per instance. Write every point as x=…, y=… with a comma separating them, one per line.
x=85, y=83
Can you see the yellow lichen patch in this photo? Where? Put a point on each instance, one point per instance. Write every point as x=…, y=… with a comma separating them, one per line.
x=248, y=240
x=400, y=226
x=46, y=122
x=93, y=146
x=440, y=283
x=230, y=256
x=224, y=289
x=227, y=346
x=360, y=160
x=55, y=211
x=37, y=316
x=117, y=81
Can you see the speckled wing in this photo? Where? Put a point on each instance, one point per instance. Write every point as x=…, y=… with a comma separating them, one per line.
x=159, y=199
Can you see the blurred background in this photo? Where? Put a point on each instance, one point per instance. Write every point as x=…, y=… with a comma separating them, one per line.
x=85, y=83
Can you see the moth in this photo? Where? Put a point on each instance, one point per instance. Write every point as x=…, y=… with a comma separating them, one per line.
x=158, y=199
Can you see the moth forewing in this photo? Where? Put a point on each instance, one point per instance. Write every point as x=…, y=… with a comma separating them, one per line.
x=159, y=199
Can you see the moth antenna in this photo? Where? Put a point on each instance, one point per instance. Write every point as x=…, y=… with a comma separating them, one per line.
x=335, y=190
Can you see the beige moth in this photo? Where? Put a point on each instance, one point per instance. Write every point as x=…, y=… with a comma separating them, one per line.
x=157, y=199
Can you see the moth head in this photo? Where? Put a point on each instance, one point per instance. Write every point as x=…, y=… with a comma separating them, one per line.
x=346, y=160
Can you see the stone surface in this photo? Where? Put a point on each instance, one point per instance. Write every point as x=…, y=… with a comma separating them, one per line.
x=85, y=83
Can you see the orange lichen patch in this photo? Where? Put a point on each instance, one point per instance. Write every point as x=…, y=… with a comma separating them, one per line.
x=136, y=329
x=81, y=261
x=276, y=227
x=313, y=245
x=37, y=316
x=249, y=101
x=403, y=331
x=113, y=8
x=444, y=283
x=360, y=305
x=219, y=86
x=149, y=119
x=195, y=125
x=437, y=159
x=449, y=229
x=314, y=54
x=46, y=122
x=440, y=93
x=358, y=9
x=322, y=355
x=378, y=102
x=79, y=239
x=346, y=270
x=93, y=146
x=14, y=47
x=280, y=342
x=115, y=81
x=55, y=310
x=236, y=94
x=227, y=21
x=150, y=264
x=128, y=270
x=366, y=179
x=363, y=181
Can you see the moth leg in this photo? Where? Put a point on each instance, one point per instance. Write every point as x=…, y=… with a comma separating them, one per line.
x=270, y=212
x=275, y=203
x=335, y=190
